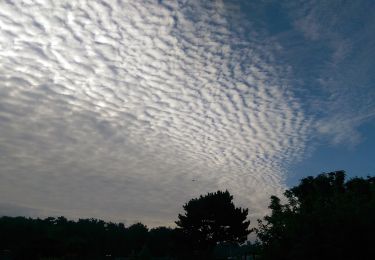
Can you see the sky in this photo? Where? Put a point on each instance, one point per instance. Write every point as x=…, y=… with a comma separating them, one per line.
x=124, y=110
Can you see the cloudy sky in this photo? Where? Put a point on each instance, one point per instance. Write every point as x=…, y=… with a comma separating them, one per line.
x=124, y=110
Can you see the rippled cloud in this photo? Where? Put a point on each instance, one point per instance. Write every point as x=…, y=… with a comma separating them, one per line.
x=111, y=109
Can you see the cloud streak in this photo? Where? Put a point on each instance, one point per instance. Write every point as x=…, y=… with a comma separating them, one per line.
x=341, y=84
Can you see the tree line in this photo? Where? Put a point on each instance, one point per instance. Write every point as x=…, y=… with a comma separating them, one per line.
x=323, y=217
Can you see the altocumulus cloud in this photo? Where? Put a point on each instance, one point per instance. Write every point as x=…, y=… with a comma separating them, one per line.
x=111, y=108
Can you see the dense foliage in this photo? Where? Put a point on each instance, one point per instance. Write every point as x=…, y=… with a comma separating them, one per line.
x=26, y=238
x=323, y=218
x=212, y=219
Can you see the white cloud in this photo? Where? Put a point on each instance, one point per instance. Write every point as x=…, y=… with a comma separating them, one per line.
x=111, y=109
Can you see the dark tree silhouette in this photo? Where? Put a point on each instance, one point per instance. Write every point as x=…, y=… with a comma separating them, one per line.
x=212, y=219
x=137, y=235
x=324, y=218
x=161, y=241
x=26, y=238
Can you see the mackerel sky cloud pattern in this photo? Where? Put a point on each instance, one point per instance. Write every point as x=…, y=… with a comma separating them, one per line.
x=110, y=109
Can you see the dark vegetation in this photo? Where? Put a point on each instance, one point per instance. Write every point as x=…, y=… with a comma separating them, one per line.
x=211, y=220
x=324, y=217
x=208, y=221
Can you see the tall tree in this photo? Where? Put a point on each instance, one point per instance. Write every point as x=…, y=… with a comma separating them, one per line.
x=324, y=218
x=212, y=219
